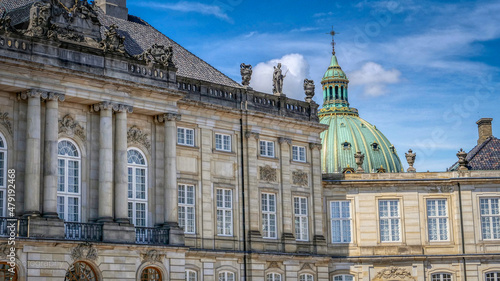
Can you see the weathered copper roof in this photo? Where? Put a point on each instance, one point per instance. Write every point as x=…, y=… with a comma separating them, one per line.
x=484, y=156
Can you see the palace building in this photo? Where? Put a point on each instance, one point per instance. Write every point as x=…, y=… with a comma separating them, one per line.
x=123, y=156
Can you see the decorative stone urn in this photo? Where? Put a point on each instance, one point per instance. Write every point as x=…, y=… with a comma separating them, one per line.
x=360, y=157
x=410, y=158
x=462, y=161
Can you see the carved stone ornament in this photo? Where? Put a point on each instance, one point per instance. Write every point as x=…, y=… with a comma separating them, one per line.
x=307, y=266
x=106, y=105
x=254, y=135
x=285, y=140
x=462, y=160
x=135, y=135
x=152, y=256
x=113, y=42
x=5, y=251
x=312, y=145
x=40, y=14
x=410, y=158
x=168, y=117
x=158, y=54
x=300, y=178
x=440, y=189
x=309, y=89
x=360, y=157
x=267, y=173
x=84, y=251
x=5, y=121
x=246, y=74
x=68, y=125
x=273, y=264
x=394, y=273
x=5, y=25
x=33, y=93
x=278, y=80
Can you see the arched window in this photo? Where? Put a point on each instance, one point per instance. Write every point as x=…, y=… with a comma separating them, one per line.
x=151, y=274
x=492, y=276
x=3, y=175
x=343, y=277
x=341, y=92
x=80, y=271
x=306, y=277
x=68, y=183
x=5, y=274
x=137, y=187
x=191, y=275
x=336, y=92
x=226, y=276
x=442, y=277
x=331, y=92
x=273, y=277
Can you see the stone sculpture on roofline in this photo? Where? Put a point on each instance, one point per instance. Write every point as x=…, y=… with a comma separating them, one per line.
x=278, y=80
x=246, y=74
x=309, y=89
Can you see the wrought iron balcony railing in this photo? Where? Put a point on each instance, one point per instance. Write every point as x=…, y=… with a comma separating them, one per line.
x=83, y=231
x=14, y=227
x=151, y=235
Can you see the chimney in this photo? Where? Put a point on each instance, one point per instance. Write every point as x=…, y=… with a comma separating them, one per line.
x=114, y=8
x=484, y=128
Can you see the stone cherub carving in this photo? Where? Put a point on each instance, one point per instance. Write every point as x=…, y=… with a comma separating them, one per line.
x=278, y=80
x=40, y=14
x=309, y=89
x=112, y=41
x=159, y=54
x=246, y=74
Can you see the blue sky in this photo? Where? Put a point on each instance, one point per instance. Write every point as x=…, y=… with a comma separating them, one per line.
x=423, y=71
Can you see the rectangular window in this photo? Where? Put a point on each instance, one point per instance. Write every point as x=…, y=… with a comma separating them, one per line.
x=299, y=153
x=224, y=212
x=341, y=221
x=301, y=219
x=490, y=218
x=223, y=142
x=390, y=221
x=268, y=215
x=2, y=168
x=186, y=208
x=267, y=148
x=185, y=136
x=437, y=219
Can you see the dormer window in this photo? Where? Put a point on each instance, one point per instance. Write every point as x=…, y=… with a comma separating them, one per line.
x=346, y=146
x=375, y=146
x=381, y=170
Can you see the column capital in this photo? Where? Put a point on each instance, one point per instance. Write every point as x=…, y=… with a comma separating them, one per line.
x=115, y=107
x=32, y=93
x=314, y=145
x=285, y=140
x=53, y=97
x=249, y=134
x=169, y=116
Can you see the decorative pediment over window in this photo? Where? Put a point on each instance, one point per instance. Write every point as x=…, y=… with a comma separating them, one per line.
x=267, y=173
x=394, y=274
x=68, y=125
x=135, y=135
x=84, y=251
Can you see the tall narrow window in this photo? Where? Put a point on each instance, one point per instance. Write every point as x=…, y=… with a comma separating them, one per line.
x=268, y=215
x=331, y=92
x=224, y=212
x=492, y=276
x=226, y=276
x=266, y=148
x=137, y=188
x=390, y=221
x=68, y=183
x=437, y=219
x=185, y=136
x=301, y=219
x=223, y=142
x=186, y=208
x=273, y=277
x=299, y=153
x=336, y=92
x=190, y=275
x=343, y=277
x=341, y=92
x=490, y=218
x=441, y=277
x=306, y=277
x=340, y=212
x=3, y=176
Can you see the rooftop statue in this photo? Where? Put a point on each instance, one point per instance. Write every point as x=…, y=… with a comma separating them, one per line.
x=278, y=80
x=246, y=74
x=158, y=54
x=112, y=41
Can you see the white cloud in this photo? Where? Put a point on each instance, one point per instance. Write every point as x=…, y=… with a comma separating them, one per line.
x=374, y=78
x=296, y=68
x=195, y=7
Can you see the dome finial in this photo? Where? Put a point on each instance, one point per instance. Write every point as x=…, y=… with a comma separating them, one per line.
x=332, y=33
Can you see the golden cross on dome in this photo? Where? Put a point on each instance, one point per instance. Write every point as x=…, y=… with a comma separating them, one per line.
x=333, y=33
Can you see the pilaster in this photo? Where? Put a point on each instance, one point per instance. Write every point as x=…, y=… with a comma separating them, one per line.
x=317, y=199
x=252, y=188
x=121, y=170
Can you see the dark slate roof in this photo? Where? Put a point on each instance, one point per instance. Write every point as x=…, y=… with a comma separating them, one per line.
x=485, y=156
x=139, y=37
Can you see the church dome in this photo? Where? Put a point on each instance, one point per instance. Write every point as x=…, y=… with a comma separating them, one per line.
x=347, y=133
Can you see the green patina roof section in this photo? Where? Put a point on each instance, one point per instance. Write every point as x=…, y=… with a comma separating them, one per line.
x=361, y=135
x=334, y=70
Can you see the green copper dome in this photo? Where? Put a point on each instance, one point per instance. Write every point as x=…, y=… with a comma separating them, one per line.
x=347, y=133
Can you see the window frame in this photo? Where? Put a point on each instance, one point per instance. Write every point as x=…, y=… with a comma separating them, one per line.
x=441, y=276
x=300, y=234
x=188, y=271
x=267, y=213
x=306, y=277
x=388, y=219
x=185, y=142
x=65, y=194
x=3, y=184
x=226, y=274
x=267, y=144
x=223, y=147
x=437, y=217
x=134, y=200
x=490, y=216
x=493, y=278
x=343, y=277
x=273, y=276
x=341, y=219
x=224, y=210
x=186, y=206
x=298, y=158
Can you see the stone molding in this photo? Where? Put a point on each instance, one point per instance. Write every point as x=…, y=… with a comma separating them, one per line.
x=393, y=273
x=152, y=256
x=5, y=121
x=84, y=251
x=285, y=140
x=170, y=116
x=249, y=134
x=71, y=127
x=300, y=178
x=116, y=107
x=135, y=135
x=267, y=173
x=440, y=189
x=274, y=264
x=314, y=145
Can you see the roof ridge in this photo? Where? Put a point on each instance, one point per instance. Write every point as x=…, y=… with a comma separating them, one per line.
x=479, y=148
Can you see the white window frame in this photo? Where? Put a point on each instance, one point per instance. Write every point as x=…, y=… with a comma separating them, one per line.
x=493, y=276
x=273, y=276
x=301, y=218
x=344, y=221
x=489, y=217
x=343, y=277
x=3, y=173
x=189, y=275
x=390, y=220
x=269, y=217
x=223, y=142
x=134, y=200
x=65, y=195
x=306, y=277
x=441, y=276
x=226, y=276
x=267, y=149
x=299, y=153
x=182, y=133
x=186, y=205
x=436, y=220
x=224, y=211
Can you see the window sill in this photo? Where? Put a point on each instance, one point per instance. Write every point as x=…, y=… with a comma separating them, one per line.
x=223, y=152
x=188, y=146
x=263, y=158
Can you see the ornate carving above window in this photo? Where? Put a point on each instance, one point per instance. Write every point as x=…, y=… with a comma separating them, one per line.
x=394, y=273
x=152, y=256
x=5, y=121
x=300, y=178
x=84, y=251
x=69, y=126
x=135, y=135
x=268, y=174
